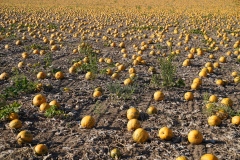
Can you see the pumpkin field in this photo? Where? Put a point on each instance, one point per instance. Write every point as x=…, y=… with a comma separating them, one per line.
x=118, y=79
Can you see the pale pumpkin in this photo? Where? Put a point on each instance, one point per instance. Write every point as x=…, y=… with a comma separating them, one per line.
x=132, y=113
x=133, y=124
x=140, y=135
x=87, y=122
x=40, y=149
x=195, y=137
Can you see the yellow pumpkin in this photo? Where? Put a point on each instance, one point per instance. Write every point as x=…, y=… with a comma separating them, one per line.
x=188, y=96
x=235, y=120
x=181, y=158
x=87, y=122
x=89, y=76
x=127, y=81
x=97, y=94
x=222, y=114
x=54, y=103
x=44, y=106
x=59, y=75
x=158, y=96
x=13, y=116
x=132, y=113
x=133, y=124
x=115, y=153
x=214, y=120
x=197, y=80
x=165, y=133
x=40, y=149
x=195, y=137
x=151, y=110
x=203, y=74
x=236, y=80
x=222, y=59
x=208, y=156
x=72, y=70
x=41, y=75
x=4, y=76
x=16, y=123
x=140, y=135
x=24, y=136
x=227, y=102
x=186, y=62
x=132, y=70
x=213, y=99
x=195, y=86
x=39, y=99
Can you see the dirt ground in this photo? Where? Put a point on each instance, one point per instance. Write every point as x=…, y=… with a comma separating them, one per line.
x=65, y=138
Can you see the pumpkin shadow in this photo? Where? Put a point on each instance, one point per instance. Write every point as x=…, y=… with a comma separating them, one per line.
x=212, y=141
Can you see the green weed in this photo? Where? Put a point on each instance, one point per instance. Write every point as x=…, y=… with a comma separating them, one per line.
x=5, y=110
x=122, y=92
x=53, y=111
x=20, y=85
x=168, y=72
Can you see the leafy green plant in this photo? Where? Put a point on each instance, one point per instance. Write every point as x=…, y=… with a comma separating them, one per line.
x=196, y=31
x=52, y=26
x=168, y=72
x=53, y=111
x=35, y=46
x=20, y=85
x=213, y=108
x=92, y=65
x=98, y=108
x=48, y=59
x=5, y=110
x=122, y=92
x=155, y=80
